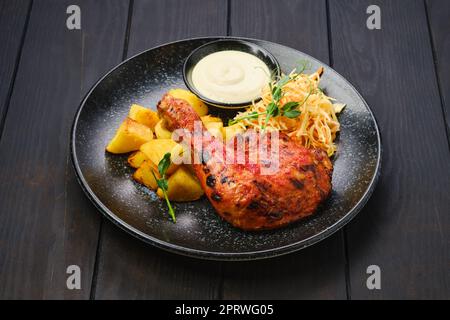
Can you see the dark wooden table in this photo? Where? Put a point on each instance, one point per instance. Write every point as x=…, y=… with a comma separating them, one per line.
x=47, y=224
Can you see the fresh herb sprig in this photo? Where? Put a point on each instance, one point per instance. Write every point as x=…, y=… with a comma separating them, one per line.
x=289, y=110
x=302, y=66
x=274, y=109
x=251, y=115
x=162, y=183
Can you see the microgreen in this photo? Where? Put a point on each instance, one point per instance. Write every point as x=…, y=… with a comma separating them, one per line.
x=162, y=183
x=251, y=115
x=302, y=66
x=276, y=89
x=289, y=110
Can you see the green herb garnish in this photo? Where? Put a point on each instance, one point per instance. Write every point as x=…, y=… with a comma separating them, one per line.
x=274, y=109
x=162, y=183
x=303, y=66
x=251, y=115
x=288, y=110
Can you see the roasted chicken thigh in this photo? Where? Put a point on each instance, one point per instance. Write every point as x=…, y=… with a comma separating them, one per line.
x=238, y=188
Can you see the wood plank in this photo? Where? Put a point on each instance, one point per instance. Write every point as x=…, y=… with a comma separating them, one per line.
x=13, y=20
x=317, y=272
x=131, y=269
x=174, y=20
x=439, y=22
x=405, y=228
x=128, y=268
x=46, y=223
x=299, y=24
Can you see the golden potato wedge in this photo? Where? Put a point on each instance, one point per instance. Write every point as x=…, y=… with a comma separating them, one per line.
x=144, y=175
x=215, y=128
x=230, y=131
x=129, y=137
x=136, y=159
x=143, y=115
x=182, y=186
x=156, y=149
x=209, y=118
x=192, y=99
x=161, y=132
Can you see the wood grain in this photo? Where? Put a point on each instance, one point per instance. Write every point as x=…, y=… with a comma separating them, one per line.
x=405, y=227
x=300, y=24
x=13, y=20
x=317, y=272
x=128, y=268
x=439, y=22
x=131, y=269
x=46, y=223
x=174, y=20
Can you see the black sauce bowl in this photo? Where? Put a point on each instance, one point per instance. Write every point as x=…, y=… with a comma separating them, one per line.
x=222, y=45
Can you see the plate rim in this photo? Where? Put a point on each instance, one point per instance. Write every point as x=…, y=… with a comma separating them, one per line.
x=212, y=255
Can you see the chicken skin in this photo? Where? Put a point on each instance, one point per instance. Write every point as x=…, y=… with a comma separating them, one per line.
x=239, y=188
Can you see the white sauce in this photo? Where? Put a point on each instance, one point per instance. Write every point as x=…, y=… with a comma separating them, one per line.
x=230, y=76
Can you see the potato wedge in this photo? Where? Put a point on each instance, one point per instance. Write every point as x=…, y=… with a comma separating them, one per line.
x=215, y=128
x=144, y=175
x=136, y=159
x=209, y=118
x=192, y=99
x=156, y=149
x=129, y=137
x=183, y=186
x=161, y=132
x=143, y=115
x=230, y=131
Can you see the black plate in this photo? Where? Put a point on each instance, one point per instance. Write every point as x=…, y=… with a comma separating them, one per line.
x=199, y=231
